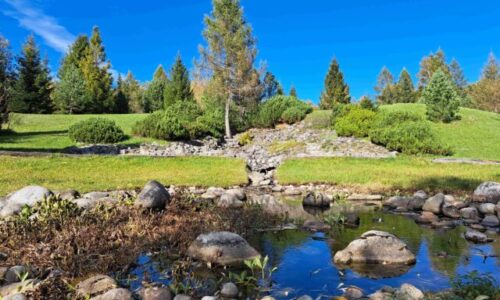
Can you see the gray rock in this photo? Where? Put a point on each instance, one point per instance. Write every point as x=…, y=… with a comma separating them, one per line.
x=490, y=221
x=95, y=285
x=229, y=290
x=3, y=271
x=256, y=178
x=353, y=292
x=28, y=195
x=96, y=195
x=305, y=297
x=451, y=211
x=487, y=192
x=416, y=203
x=115, y=294
x=232, y=198
x=409, y=292
x=210, y=298
x=153, y=196
x=223, y=248
x=376, y=247
x=316, y=226
x=469, y=213
x=421, y=194
x=216, y=191
x=155, y=293
x=292, y=191
x=277, y=189
x=17, y=296
x=434, y=204
x=497, y=209
x=396, y=201
x=317, y=199
x=182, y=297
x=17, y=287
x=487, y=208
x=15, y=273
x=476, y=236
x=69, y=195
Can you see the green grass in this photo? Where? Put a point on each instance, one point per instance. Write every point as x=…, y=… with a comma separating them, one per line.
x=475, y=135
x=49, y=132
x=92, y=173
x=404, y=173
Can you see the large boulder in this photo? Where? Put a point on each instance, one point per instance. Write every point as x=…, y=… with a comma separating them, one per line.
x=233, y=198
x=487, y=192
x=490, y=221
x=223, y=248
x=317, y=199
x=28, y=195
x=434, y=204
x=153, y=196
x=376, y=247
x=469, y=213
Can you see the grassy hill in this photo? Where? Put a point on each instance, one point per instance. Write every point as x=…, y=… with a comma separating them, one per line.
x=475, y=135
x=49, y=132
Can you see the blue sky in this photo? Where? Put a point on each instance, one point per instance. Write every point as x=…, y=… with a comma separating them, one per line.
x=297, y=39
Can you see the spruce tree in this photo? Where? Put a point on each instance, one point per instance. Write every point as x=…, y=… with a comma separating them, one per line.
x=76, y=55
x=121, y=101
x=229, y=57
x=179, y=86
x=154, y=94
x=336, y=91
x=491, y=70
x=32, y=89
x=293, y=92
x=95, y=68
x=405, y=90
x=71, y=95
x=133, y=92
x=385, y=88
x=6, y=77
x=271, y=86
x=431, y=64
x=441, y=98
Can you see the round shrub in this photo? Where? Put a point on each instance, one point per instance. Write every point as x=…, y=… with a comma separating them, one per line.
x=340, y=110
x=357, y=122
x=293, y=115
x=407, y=133
x=96, y=131
x=271, y=112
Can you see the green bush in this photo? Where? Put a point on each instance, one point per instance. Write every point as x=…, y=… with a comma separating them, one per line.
x=472, y=285
x=407, y=133
x=357, y=122
x=211, y=123
x=340, y=110
x=271, y=112
x=441, y=98
x=245, y=139
x=367, y=103
x=96, y=131
x=293, y=115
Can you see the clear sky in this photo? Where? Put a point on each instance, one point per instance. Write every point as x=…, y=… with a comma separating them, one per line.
x=296, y=38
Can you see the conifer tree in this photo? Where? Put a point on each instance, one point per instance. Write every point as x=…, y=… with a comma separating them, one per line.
x=385, y=88
x=95, y=68
x=229, y=57
x=270, y=86
x=336, y=91
x=178, y=87
x=71, y=95
x=32, y=89
x=76, y=54
x=405, y=90
x=6, y=77
x=154, y=94
x=441, y=98
x=491, y=70
x=132, y=90
x=293, y=92
x=457, y=75
x=121, y=100
x=431, y=64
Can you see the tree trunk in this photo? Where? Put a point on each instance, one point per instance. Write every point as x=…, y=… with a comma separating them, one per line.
x=226, y=117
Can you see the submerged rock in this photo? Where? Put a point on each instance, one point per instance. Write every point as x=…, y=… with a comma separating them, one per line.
x=487, y=192
x=427, y=217
x=223, y=248
x=376, y=247
x=315, y=226
x=28, y=195
x=153, y=196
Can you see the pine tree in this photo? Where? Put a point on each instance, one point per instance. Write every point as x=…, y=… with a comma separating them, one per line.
x=76, y=55
x=405, y=90
x=431, y=64
x=293, y=92
x=6, y=77
x=271, y=86
x=133, y=92
x=179, y=86
x=121, y=101
x=491, y=70
x=385, y=88
x=71, y=95
x=95, y=68
x=336, y=91
x=441, y=98
x=31, y=91
x=457, y=75
x=154, y=94
x=228, y=60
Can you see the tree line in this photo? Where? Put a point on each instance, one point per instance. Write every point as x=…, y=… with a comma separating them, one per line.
x=483, y=94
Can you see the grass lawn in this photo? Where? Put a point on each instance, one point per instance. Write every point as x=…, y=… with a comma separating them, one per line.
x=379, y=175
x=49, y=132
x=92, y=173
x=475, y=135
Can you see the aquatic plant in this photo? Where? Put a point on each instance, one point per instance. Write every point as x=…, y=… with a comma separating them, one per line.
x=474, y=284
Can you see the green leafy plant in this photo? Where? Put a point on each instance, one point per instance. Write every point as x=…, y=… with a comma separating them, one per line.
x=96, y=131
x=334, y=218
x=474, y=284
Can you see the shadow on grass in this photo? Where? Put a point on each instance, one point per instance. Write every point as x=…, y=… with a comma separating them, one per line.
x=447, y=183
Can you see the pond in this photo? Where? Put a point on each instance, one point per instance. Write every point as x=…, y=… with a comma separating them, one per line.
x=304, y=260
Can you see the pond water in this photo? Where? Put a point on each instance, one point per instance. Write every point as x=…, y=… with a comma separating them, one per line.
x=304, y=260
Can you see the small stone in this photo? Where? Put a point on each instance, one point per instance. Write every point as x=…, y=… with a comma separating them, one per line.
x=182, y=297
x=476, y=236
x=115, y=294
x=317, y=199
x=410, y=292
x=490, y=221
x=95, y=285
x=315, y=226
x=421, y=194
x=487, y=208
x=229, y=290
x=427, y=218
x=155, y=293
x=469, y=213
x=353, y=292
x=434, y=204
x=305, y=297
